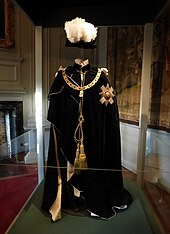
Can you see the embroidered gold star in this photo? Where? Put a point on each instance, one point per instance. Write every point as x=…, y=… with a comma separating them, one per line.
x=107, y=94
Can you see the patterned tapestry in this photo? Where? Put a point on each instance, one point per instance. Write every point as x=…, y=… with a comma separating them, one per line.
x=124, y=61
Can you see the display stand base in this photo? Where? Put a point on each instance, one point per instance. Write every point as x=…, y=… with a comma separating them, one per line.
x=138, y=218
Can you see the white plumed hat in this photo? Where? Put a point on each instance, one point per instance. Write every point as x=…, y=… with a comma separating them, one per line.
x=80, y=33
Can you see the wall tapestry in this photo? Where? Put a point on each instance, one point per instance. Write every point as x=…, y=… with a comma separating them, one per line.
x=124, y=61
x=125, y=47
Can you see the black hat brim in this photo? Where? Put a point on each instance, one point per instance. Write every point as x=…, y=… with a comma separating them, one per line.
x=81, y=44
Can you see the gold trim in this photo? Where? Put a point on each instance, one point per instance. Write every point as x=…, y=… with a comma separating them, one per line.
x=79, y=88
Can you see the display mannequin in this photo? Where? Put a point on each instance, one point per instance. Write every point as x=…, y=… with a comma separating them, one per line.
x=84, y=174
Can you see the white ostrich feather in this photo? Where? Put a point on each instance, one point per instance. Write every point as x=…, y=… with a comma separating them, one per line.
x=80, y=30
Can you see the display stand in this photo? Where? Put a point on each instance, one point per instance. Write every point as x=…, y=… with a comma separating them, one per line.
x=139, y=218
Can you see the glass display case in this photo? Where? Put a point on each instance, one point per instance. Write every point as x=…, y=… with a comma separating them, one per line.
x=137, y=59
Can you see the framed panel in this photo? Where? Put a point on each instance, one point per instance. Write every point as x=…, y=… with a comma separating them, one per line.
x=7, y=23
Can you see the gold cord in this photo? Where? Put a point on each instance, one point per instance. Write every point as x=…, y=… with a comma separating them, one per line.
x=80, y=161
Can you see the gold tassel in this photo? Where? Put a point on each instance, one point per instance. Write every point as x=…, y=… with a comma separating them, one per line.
x=80, y=161
x=76, y=161
x=82, y=158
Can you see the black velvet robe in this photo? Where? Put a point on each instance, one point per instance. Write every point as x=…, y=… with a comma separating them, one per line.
x=101, y=186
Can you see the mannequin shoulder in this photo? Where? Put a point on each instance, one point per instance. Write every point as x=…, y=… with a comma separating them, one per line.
x=105, y=70
x=60, y=69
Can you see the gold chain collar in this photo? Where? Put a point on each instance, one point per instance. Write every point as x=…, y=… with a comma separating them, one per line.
x=79, y=88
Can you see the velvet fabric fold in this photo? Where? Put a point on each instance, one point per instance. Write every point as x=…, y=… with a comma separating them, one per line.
x=101, y=185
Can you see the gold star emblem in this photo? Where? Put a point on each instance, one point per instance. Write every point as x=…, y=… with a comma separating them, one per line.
x=107, y=94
